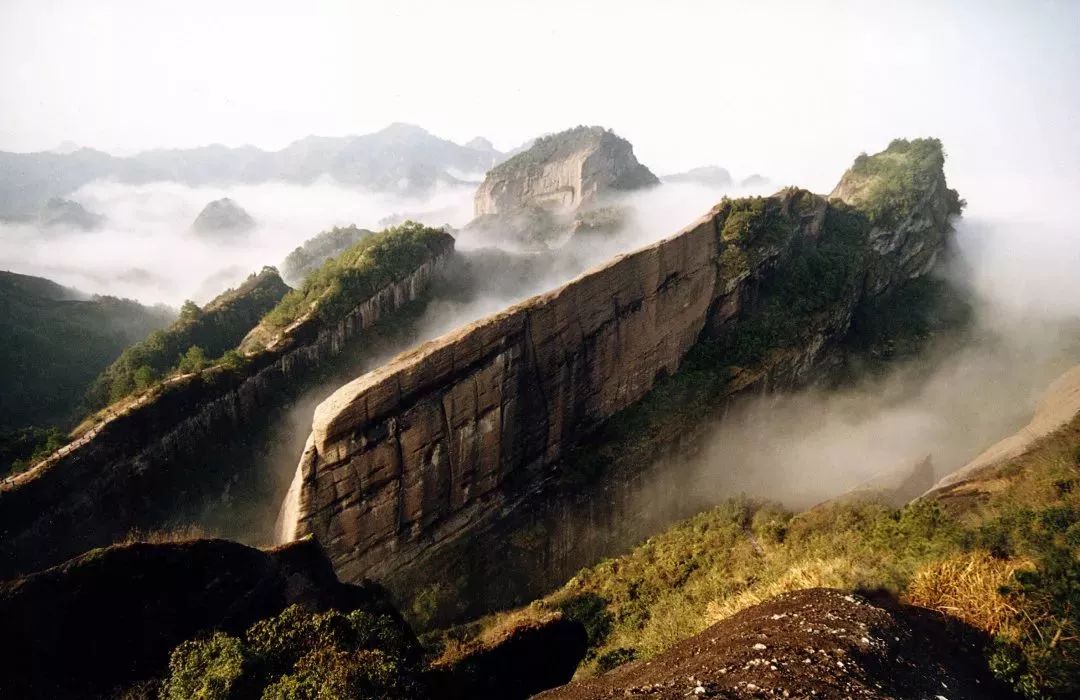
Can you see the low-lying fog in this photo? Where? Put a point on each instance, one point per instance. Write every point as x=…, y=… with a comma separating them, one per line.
x=147, y=251
x=1017, y=253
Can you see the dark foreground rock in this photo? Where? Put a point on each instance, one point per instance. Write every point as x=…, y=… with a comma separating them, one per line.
x=520, y=662
x=112, y=616
x=815, y=643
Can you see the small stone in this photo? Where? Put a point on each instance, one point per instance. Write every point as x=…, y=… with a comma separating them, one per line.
x=759, y=647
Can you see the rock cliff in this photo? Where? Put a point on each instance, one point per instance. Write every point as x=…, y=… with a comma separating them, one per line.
x=443, y=446
x=563, y=171
x=146, y=461
x=530, y=195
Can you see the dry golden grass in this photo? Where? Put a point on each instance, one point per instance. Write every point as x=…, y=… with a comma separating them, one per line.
x=185, y=533
x=968, y=586
x=839, y=572
x=493, y=630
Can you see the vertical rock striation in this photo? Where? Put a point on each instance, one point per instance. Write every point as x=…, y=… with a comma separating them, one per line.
x=146, y=461
x=433, y=451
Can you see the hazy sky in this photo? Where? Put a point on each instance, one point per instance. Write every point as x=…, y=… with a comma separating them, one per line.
x=793, y=89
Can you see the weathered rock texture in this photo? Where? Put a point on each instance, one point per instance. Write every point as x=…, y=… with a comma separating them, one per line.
x=112, y=616
x=437, y=448
x=146, y=461
x=563, y=171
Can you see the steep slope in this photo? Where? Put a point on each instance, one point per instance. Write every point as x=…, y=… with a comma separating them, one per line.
x=1000, y=556
x=533, y=195
x=524, y=421
x=309, y=256
x=1059, y=404
x=217, y=327
x=563, y=171
x=56, y=341
x=167, y=454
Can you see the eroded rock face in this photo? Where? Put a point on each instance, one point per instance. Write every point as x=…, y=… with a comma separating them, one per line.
x=559, y=174
x=147, y=461
x=440, y=446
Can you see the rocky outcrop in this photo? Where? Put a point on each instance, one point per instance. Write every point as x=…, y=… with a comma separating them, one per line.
x=113, y=615
x=563, y=171
x=817, y=642
x=433, y=450
x=515, y=664
x=223, y=216
x=143, y=463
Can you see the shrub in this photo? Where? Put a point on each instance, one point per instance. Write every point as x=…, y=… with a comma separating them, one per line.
x=299, y=655
x=205, y=669
x=968, y=586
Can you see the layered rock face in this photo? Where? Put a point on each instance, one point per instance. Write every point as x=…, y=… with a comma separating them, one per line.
x=156, y=456
x=562, y=172
x=436, y=450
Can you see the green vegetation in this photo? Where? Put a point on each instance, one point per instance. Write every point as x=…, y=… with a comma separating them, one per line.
x=551, y=147
x=796, y=302
x=22, y=448
x=55, y=342
x=744, y=551
x=306, y=258
x=186, y=345
x=298, y=655
x=890, y=183
x=357, y=274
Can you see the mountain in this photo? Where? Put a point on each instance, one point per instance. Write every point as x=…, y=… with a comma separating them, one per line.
x=214, y=329
x=711, y=175
x=308, y=257
x=56, y=340
x=177, y=437
x=537, y=195
x=400, y=158
x=223, y=217
x=478, y=441
x=66, y=213
x=563, y=171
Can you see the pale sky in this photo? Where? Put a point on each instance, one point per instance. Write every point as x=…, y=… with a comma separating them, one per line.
x=791, y=89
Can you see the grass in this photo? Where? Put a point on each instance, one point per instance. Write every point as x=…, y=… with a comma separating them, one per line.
x=1007, y=563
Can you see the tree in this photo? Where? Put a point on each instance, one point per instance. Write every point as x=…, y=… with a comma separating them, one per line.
x=144, y=378
x=192, y=361
x=189, y=310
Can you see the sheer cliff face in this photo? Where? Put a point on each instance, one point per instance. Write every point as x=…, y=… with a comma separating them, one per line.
x=442, y=443
x=166, y=454
x=562, y=172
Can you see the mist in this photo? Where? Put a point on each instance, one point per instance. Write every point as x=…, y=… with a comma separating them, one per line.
x=1016, y=259
x=146, y=250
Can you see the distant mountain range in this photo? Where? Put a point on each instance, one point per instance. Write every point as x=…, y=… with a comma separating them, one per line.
x=401, y=158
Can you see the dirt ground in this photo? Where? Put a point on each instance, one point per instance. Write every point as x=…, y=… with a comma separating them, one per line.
x=816, y=643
